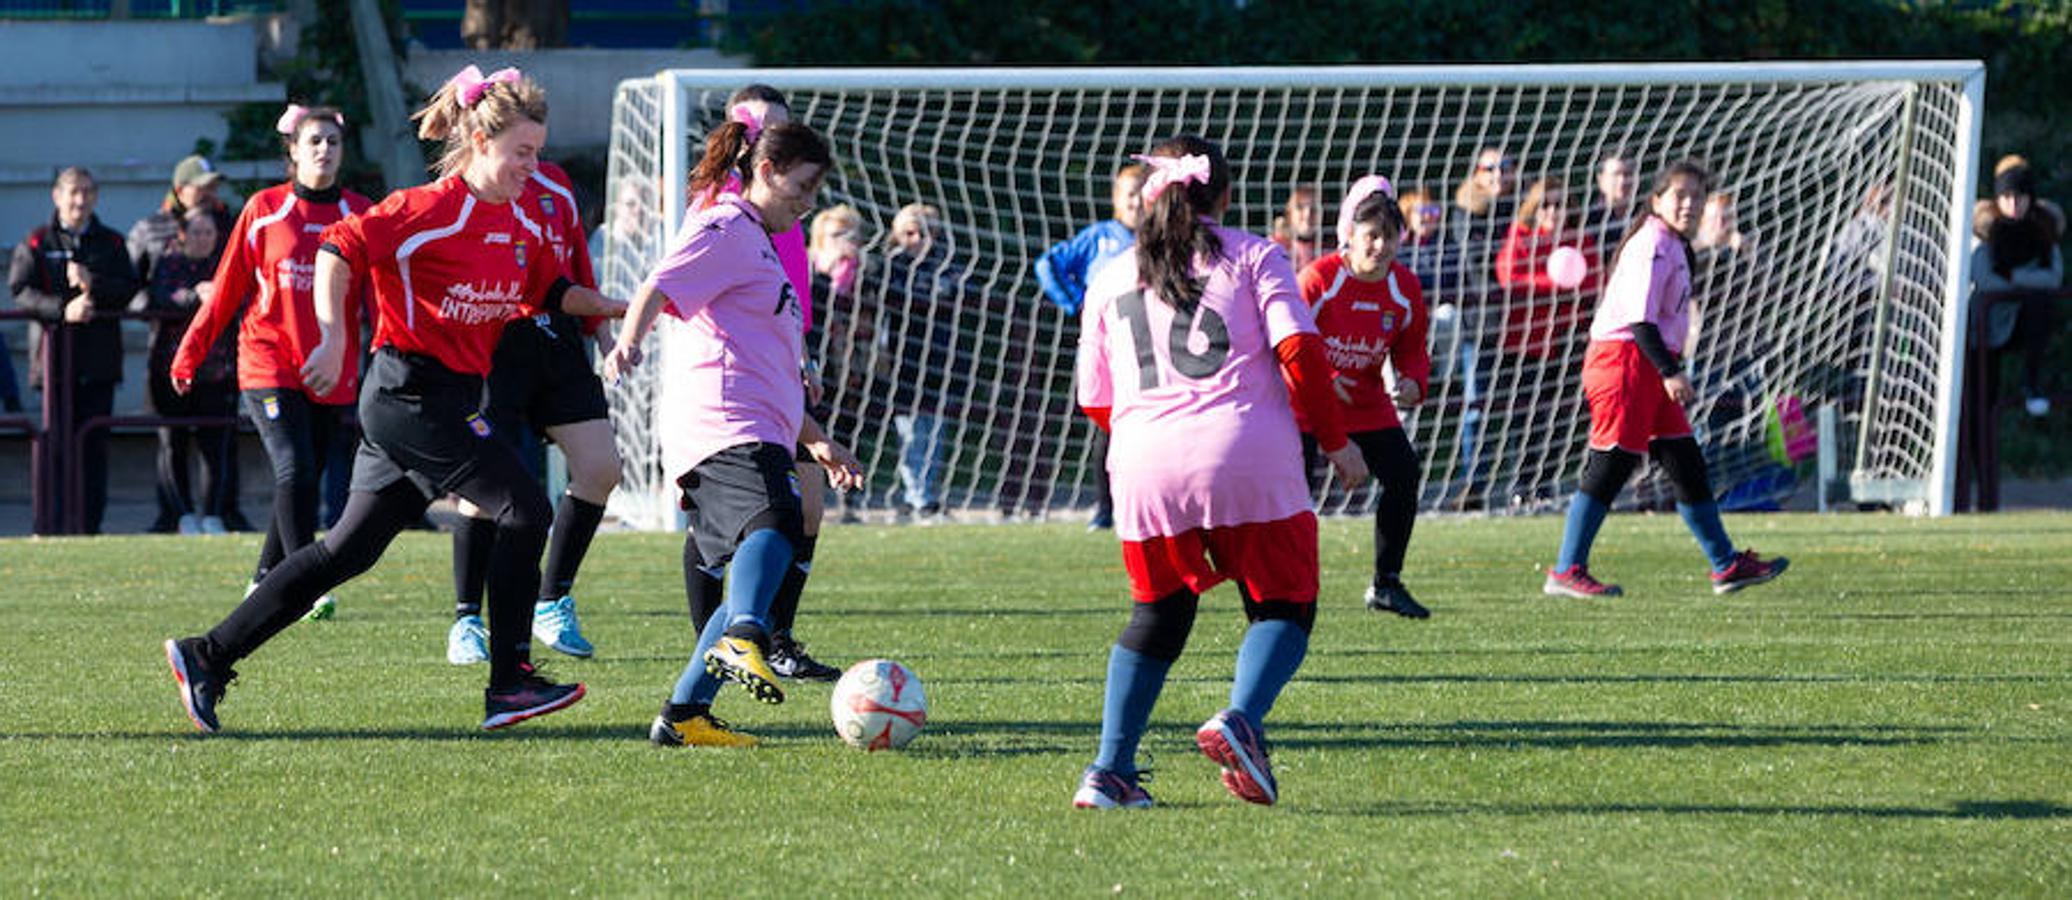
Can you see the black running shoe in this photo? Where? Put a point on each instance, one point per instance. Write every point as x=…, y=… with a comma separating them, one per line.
x=789, y=660
x=531, y=696
x=200, y=688
x=1392, y=597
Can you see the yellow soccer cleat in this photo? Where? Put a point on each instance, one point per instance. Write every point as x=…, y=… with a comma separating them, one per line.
x=739, y=660
x=697, y=731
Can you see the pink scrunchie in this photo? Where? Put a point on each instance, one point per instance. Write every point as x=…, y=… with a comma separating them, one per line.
x=1167, y=171
x=749, y=119
x=293, y=116
x=470, y=84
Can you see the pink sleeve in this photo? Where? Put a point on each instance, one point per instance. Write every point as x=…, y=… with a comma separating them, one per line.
x=1096, y=384
x=791, y=252
x=1661, y=288
x=696, y=271
x=1625, y=298
x=1280, y=299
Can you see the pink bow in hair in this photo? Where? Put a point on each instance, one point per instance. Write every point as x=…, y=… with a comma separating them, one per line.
x=1171, y=170
x=471, y=84
x=291, y=119
x=749, y=119
x=1354, y=196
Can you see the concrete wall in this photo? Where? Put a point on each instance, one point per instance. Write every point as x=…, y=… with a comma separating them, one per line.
x=580, y=83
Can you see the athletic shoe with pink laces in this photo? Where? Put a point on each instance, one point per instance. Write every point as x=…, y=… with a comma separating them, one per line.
x=1234, y=743
x=1575, y=581
x=1747, y=570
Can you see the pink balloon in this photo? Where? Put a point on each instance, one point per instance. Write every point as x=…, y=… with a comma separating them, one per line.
x=1567, y=267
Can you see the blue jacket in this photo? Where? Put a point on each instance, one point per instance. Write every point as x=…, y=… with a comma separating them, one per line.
x=1065, y=269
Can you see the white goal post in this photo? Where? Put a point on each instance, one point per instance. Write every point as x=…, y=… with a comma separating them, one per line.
x=1853, y=184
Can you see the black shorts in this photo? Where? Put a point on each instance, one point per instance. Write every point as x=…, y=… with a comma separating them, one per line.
x=742, y=489
x=421, y=421
x=541, y=376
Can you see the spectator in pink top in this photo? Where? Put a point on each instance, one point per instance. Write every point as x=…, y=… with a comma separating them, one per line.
x=1183, y=351
x=724, y=278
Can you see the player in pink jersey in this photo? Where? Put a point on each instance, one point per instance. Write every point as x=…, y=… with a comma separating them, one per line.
x=448, y=264
x=748, y=415
x=1634, y=378
x=1184, y=347
x=753, y=108
x=1370, y=310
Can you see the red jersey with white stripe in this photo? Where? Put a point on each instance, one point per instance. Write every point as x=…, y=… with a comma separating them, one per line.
x=447, y=270
x=551, y=201
x=1367, y=325
x=268, y=270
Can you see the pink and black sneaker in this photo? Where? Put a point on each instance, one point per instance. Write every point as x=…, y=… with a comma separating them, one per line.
x=1236, y=745
x=1575, y=581
x=1103, y=789
x=1747, y=570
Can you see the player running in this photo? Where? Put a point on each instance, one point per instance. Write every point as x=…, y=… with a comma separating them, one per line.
x=1183, y=348
x=268, y=275
x=1633, y=375
x=747, y=417
x=1370, y=311
x=541, y=378
x=449, y=263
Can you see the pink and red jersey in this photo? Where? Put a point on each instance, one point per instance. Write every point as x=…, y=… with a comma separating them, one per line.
x=739, y=370
x=1651, y=282
x=1203, y=435
x=1367, y=325
x=269, y=270
x=791, y=249
x=447, y=270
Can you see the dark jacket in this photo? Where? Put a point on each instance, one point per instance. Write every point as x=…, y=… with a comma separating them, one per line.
x=154, y=237
x=36, y=276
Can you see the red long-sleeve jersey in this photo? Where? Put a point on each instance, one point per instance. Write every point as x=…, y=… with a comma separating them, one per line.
x=551, y=194
x=1367, y=325
x=447, y=270
x=268, y=271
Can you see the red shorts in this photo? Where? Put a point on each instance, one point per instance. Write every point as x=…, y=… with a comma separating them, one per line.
x=1628, y=405
x=1273, y=560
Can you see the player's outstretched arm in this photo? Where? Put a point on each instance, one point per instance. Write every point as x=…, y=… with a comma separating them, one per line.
x=640, y=317
x=843, y=469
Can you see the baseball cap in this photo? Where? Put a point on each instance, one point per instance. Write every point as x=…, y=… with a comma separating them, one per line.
x=195, y=170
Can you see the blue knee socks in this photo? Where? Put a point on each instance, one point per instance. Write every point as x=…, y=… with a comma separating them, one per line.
x=1134, y=681
x=1585, y=515
x=1271, y=652
x=1703, y=520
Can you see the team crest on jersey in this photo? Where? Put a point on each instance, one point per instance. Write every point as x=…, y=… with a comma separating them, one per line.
x=1388, y=321
x=272, y=407
x=518, y=247
x=478, y=425
x=547, y=204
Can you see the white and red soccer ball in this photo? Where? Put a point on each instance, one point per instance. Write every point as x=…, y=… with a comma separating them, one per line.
x=878, y=705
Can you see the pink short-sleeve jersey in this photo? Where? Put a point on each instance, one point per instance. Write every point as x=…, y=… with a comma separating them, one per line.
x=1651, y=282
x=1203, y=433
x=791, y=249
x=739, y=367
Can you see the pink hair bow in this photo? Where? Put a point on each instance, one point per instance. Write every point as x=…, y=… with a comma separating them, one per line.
x=1366, y=187
x=749, y=119
x=293, y=116
x=1171, y=170
x=471, y=84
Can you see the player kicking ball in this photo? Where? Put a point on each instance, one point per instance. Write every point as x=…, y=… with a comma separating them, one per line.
x=1184, y=343
x=1634, y=378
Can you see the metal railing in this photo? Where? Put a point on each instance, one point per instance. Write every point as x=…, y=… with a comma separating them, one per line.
x=132, y=9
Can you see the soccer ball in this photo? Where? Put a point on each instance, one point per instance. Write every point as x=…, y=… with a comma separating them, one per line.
x=878, y=705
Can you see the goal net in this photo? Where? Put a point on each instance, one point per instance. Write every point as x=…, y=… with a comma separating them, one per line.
x=949, y=372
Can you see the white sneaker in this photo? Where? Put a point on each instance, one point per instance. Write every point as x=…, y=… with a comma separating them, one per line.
x=2037, y=406
x=467, y=642
x=324, y=608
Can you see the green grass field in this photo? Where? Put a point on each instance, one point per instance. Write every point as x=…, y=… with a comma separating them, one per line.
x=1894, y=717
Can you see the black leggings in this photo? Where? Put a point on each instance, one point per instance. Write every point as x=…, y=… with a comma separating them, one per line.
x=497, y=483
x=1394, y=465
x=297, y=434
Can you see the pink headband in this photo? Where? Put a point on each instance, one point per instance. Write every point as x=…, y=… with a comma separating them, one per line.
x=292, y=118
x=746, y=115
x=1366, y=187
x=1170, y=170
x=470, y=84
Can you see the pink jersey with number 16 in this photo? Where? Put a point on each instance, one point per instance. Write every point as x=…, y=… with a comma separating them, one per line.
x=1203, y=433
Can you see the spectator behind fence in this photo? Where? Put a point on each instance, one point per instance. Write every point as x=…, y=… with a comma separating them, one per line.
x=1609, y=212
x=180, y=283
x=75, y=273
x=1543, y=315
x=922, y=293
x=836, y=250
x=2019, y=256
x=1297, y=230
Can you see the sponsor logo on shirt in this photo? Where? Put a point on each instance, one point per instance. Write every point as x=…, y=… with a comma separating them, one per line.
x=1354, y=355
x=312, y=228
x=497, y=237
x=1364, y=306
x=296, y=276
x=473, y=304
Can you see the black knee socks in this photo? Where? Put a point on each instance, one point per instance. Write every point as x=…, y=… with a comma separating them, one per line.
x=575, y=523
x=784, y=609
x=473, y=541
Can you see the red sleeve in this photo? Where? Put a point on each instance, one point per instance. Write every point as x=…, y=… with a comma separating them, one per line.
x=1310, y=281
x=1308, y=375
x=233, y=285
x=541, y=271
x=1099, y=414
x=348, y=237
x=1409, y=354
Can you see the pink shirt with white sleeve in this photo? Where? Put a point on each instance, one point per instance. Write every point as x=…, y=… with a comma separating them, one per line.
x=1203, y=435
x=1651, y=282
x=739, y=363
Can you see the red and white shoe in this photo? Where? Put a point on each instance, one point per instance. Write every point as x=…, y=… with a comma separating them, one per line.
x=1747, y=570
x=1575, y=581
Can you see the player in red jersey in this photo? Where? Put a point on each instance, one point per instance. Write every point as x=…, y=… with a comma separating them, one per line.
x=448, y=263
x=542, y=382
x=268, y=273
x=1371, y=311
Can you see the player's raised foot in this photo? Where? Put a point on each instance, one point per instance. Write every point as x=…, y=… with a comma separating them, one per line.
x=1747, y=570
x=789, y=660
x=324, y=608
x=1234, y=743
x=530, y=696
x=1390, y=596
x=740, y=659
x=704, y=730
x=467, y=642
x=554, y=624
x=201, y=687
x=1102, y=789
x=1575, y=581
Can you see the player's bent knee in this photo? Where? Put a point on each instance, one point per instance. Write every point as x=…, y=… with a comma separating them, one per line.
x=1159, y=629
x=1684, y=462
x=1302, y=613
x=1605, y=473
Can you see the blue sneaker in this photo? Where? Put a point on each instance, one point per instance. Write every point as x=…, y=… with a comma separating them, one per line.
x=467, y=642
x=554, y=624
x=1236, y=745
x=200, y=688
x=1102, y=789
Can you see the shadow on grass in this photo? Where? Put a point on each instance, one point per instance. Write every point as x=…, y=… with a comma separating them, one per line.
x=1982, y=810
x=960, y=612
x=1464, y=678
